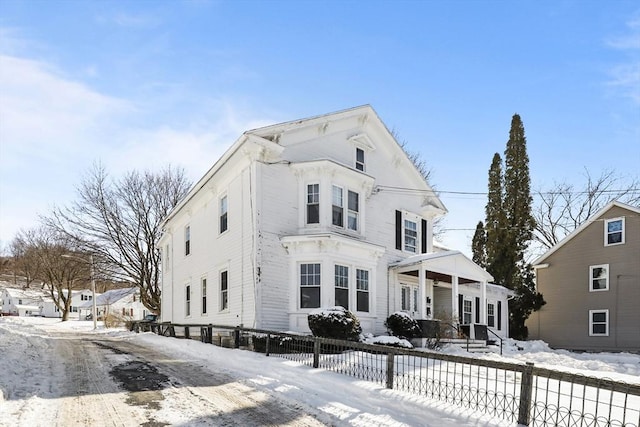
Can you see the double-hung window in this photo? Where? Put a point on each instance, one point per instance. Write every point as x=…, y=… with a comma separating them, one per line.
x=313, y=204
x=353, y=210
x=203, y=291
x=598, y=323
x=187, y=240
x=337, y=207
x=224, y=290
x=187, y=299
x=599, y=277
x=491, y=314
x=342, y=286
x=224, y=208
x=614, y=231
x=338, y=212
x=410, y=236
x=362, y=290
x=466, y=311
x=360, y=159
x=309, y=285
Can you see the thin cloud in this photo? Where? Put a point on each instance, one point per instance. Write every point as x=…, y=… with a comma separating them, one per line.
x=625, y=76
x=129, y=20
x=53, y=128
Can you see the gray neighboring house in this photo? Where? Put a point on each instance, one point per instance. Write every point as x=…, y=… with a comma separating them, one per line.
x=591, y=283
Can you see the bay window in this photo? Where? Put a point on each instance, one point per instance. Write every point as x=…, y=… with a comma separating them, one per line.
x=337, y=207
x=313, y=204
x=342, y=286
x=309, y=285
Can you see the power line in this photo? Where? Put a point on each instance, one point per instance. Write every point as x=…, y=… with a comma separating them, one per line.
x=393, y=189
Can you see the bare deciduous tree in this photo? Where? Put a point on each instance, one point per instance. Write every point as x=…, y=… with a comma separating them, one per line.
x=40, y=251
x=563, y=209
x=26, y=263
x=119, y=221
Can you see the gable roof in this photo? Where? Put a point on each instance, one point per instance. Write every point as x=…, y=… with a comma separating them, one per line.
x=268, y=137
x=451, y=262
x=111, y=296
x=28, y=293
x=584, y=225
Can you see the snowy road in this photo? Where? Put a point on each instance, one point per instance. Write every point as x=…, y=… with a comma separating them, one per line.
x=56, y=373
x=84, y=380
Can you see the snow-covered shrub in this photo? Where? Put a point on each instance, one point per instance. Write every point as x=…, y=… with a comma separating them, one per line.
x=400, y=324
x=334, y=322
x=389, y=341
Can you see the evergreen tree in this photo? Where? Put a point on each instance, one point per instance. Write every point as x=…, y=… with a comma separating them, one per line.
x=519, y=230
x=479, y=246
x=517, y=191
x=509, y=228
x=497, y=253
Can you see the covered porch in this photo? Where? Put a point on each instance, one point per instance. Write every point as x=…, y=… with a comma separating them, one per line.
x=445, y=286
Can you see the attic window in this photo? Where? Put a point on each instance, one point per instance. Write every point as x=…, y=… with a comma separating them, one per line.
x=360, y=159
x=362, y=143
x=614, y=231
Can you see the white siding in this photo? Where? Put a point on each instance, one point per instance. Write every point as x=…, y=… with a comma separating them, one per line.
x=265, y=181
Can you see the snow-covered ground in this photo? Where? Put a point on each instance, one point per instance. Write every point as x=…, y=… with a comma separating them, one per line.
x=331, y=398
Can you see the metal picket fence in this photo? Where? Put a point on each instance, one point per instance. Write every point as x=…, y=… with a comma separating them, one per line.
x=519, y=393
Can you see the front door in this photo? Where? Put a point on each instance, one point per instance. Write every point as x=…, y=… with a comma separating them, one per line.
x=409, y=299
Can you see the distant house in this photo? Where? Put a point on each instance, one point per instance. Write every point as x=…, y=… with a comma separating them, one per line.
x=48, y=308
x=591, y=283
x=119, y=302
x=21, y=302
x=38, y=302
x=318, y=212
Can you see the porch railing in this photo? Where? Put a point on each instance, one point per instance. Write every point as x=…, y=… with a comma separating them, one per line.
x=521, y=393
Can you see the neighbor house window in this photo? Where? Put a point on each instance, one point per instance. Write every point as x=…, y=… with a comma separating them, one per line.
x=362, y=290
x=187, y=240
x=342, y=286
x=203, y=291
x=613, y=231
x=491, y=314
x=337, y=209
x=309, y=285
x=599, y=323
x=410, y=236
x=353, y=210
x=223, y=214
x=360, y=159
x=599, y=277
x=187, y=299
x=466, y=311
x=313, y=203
x=224, y=290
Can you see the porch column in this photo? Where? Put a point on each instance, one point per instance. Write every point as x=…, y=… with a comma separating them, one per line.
x=454, y=299
x=483, y=302
x=422, y=293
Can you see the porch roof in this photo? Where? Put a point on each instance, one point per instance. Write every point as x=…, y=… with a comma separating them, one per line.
x=453, y=263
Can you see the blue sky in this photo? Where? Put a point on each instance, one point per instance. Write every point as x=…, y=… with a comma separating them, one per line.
x=141, y=84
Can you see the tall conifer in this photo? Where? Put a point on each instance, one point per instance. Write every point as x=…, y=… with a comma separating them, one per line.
x=479, y=246
x=517, y=191
x=509, y=228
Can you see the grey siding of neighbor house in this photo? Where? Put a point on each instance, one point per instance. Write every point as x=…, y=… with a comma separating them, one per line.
x=564, y=321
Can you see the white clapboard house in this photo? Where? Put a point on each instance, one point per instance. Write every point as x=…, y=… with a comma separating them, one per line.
x=319, y=212
x=124, y=303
